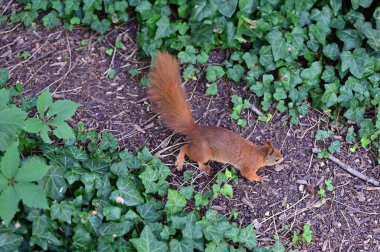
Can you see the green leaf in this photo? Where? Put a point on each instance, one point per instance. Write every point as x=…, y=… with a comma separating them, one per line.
x=323, y=17
x=176, y=202
x=296, y=37
x=128, y=191
x=164, y=28
x=248, y=237
x=373, y=38
x=149, y=211
x=112, y=213
x=62, y=211
x=312, y=72
x=32, y=169
x=202, y=10
x=322, y=134
x=4, y=76
x=12, y=119
x=278, y=247
x=334, y=147
x=63, y=130
x=307, y=233
x=336, y=5
x=101, y=27
x=185, y=245
x=329, y=74
x=31, y=194
x=212, y=233
x=350, y=38
x=4, y=98
x=355, y=61
x=355, y=113
x=10, y=161
x=212, y=89
x=54, y=183
x=278, y=43
x=148, y=242
x=235, y=73
x=320, y=32
x=331, y=51
x=266, y=58
x=329, y=185
x=44, y=101
x=214, y=72
x=44, y=133
x=227, y=190
x=10, y=241
x=362, y=3
x=228, y=7
x=33, y=125
x=108, y=141
x=148, y=178
x=50, y=20
x=8, y=204
x=64, y=109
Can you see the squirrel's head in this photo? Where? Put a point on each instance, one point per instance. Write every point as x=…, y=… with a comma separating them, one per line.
x=273, y=155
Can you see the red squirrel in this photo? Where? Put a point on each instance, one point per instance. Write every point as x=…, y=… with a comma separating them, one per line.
x=205, y=142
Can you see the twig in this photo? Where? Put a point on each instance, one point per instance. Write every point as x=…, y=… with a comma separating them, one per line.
x=255, y=109
x=349, y=169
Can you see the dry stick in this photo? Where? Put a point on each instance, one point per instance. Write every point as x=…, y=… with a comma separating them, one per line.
x=349, y=169
x=255, y=109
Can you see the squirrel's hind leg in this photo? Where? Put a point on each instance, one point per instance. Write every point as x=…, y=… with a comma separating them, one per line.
x=199, y=152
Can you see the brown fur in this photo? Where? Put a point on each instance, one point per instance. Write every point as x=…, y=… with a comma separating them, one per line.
x=206, y=142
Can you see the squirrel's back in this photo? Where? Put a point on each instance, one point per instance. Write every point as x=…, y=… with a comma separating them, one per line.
x=168, y=96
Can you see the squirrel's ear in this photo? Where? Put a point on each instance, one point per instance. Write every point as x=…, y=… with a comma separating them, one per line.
x=269, y=144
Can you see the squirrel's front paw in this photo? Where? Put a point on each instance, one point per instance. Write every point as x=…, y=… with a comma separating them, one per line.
x=258, y=178
x=179, y=165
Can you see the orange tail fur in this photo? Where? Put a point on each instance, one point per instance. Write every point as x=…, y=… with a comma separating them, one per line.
x=168, y=95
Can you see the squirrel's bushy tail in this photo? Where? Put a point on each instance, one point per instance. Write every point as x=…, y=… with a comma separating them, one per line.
x=168, y=96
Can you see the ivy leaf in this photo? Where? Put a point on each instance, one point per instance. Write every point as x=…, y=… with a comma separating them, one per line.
x=212, y=233
x=350, y=37
x=149, y=212
x=44, y=101
x=212, y=89
x=331, y=51
x=323, y=17
x=176, y=201
x=227, y=190
x=54, y=183
x=362, y=3
x=101, y=26
x=148, y=178
x=320, y=31
x=373, y=36
x=32, y=169
x=50, y=20
x=329, y=74
x=128, y=191
x=355, y=113
x=312, y=72
x=214, y=72
x=202, y=10
x=248, y=237
x=10, y=241
x=227, y=7
x=31, y=195
x=235, y=73
x=334, y=147
x=278, y=43
x=296, y=37
x=322, y=134
x=336, y=5
x=108, y=141
x=266, y=58
x=8, y=204
x=4, y=76
x=148, y=242
x=164, y=28
x=185, y=245
x=62, y=211
x=355, y=61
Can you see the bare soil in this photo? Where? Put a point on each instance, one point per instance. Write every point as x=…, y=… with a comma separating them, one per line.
x=350, y=219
